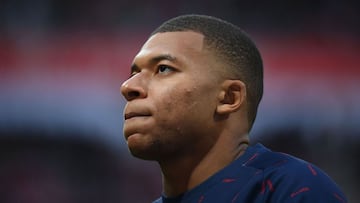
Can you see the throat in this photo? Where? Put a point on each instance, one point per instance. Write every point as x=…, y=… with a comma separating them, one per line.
x=179, y=177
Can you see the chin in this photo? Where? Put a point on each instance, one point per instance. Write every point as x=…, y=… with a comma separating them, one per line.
x=145, y=155
x=145, y=152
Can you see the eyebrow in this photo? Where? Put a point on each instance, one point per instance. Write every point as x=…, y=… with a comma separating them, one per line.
x=154, y=60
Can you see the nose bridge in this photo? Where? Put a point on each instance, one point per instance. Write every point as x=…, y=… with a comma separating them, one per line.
x=135, y=87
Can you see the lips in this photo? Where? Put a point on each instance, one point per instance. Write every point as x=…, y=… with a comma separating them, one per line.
x=134, y=114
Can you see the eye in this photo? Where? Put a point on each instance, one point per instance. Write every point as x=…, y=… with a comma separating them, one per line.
x=165, y=69
x=133, y=73
x=134, y=70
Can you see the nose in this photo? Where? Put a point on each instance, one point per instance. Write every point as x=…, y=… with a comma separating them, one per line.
x=133, y=88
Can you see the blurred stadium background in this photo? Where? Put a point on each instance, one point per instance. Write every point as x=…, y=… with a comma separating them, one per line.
x=62, y=63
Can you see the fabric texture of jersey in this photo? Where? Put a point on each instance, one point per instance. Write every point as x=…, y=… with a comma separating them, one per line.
x=261, y=175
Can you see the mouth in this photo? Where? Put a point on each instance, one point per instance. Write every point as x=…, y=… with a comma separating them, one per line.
x=134, y=114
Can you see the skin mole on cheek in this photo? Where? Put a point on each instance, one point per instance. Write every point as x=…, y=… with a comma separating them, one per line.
x=190, y=91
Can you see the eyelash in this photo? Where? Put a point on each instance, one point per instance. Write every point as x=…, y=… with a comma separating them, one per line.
x=132, y=74
x=166, y=67
x=159, y=67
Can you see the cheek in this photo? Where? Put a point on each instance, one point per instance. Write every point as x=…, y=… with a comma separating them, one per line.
x=180, y=100
x=182, y=107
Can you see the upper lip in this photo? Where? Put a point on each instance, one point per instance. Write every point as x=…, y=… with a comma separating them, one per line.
x=134, y=114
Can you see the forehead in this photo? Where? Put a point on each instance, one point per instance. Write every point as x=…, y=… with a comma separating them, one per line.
x=179, y=44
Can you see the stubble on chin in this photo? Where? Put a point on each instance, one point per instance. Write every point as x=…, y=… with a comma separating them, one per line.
x=150, y=151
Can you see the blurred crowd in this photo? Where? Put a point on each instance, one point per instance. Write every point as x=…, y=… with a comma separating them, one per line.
x=334, y=16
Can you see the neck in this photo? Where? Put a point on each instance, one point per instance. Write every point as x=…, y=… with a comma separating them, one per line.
x=185, y=173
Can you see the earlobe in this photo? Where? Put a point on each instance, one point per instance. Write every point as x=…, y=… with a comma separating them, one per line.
x=231, y=97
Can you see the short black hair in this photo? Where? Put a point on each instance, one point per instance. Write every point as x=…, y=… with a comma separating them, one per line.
x=233, y=46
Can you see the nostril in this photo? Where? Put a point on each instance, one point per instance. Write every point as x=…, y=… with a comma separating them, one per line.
x=133, y=94
x=133, y=90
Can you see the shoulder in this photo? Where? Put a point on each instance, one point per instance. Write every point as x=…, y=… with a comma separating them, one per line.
x=157, y=201
x=290, y=179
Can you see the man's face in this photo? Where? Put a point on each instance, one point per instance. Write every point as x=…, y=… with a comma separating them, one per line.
x=171, y=97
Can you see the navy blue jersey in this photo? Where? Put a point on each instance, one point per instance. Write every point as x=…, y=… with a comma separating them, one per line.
x=261, y=175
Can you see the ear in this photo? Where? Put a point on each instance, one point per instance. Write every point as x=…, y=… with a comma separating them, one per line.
x=231, y=96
